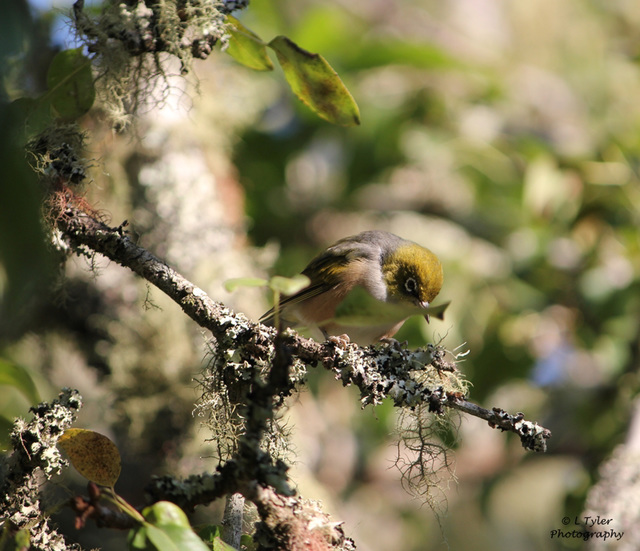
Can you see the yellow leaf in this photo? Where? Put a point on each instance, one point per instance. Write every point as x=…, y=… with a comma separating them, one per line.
x=92, y=454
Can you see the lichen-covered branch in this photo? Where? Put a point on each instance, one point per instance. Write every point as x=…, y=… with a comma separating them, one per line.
x=409, y=377
x=137, y=28
x=132, y=45
x=423, y=376
x=261, y=367
x=87, y=234
x=196, y=489
x=293, y=523
x=34, y=457
x=533, y=436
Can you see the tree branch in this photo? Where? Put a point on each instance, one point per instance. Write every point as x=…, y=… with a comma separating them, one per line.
x=35, y=455
x=533, y=436
x=378, y=372
x=269, y=365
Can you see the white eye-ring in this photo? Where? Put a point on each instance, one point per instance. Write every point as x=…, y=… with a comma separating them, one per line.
x=410, y=285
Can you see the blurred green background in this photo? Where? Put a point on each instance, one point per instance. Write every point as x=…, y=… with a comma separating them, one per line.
x=503, y=135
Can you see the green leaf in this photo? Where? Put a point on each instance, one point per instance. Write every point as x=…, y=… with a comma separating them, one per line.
x=247, y=542
x=208, y=532
x=289, y=285
x=219, y=545
x=18, y=377
x=175, y=538
x=165, y=513
x=151, y=538
x=138, y=538
x=160, y=539
x=232, y=284
x=246, y=47
x=212, y=535
x=174, y=524
x=315, y=83
x=70, y=83
x=167, y=529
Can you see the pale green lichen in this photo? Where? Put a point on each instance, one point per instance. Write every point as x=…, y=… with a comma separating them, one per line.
x=132, y=46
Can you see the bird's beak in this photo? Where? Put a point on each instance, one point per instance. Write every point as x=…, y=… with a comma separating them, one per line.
x=425, y=304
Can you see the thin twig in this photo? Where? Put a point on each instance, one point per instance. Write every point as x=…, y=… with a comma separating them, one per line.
x=533, y=436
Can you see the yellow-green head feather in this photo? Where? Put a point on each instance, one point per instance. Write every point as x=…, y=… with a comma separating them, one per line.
x=412, y=273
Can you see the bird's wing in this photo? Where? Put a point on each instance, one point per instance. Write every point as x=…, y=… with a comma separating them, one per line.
x=325, y=272
x=308, y=292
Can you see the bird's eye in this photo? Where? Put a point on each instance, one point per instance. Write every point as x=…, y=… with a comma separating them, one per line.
x=410, y=285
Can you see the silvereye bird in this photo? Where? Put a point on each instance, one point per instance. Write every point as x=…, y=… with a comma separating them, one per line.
x=364, y=286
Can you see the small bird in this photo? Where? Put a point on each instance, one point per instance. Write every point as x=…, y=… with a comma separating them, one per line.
x=365, y=287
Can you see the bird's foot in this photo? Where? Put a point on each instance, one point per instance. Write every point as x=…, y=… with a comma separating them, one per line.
x=341, y=341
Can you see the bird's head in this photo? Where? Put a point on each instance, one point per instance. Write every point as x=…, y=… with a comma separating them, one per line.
x=412, y=274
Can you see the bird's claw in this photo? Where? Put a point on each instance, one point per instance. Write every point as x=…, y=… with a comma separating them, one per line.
x=341, y=341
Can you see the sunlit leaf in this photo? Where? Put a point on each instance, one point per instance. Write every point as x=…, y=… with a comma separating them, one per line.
x=209, y=532
x=19, y=378
x=70, y=83
x=167, y=529
x=246, y=47
x=92, y=454
x=232, y=284
x=289, y=285
x=219, y=545
x=175, y=538
x=138, y=538
x=160, y=540
x=315, y=83
x=212, y=535
x=165, y=513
